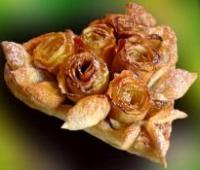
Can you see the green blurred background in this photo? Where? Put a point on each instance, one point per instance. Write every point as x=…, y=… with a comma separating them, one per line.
x=30, y=140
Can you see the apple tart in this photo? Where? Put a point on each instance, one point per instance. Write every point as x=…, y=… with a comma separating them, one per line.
x=117, y=80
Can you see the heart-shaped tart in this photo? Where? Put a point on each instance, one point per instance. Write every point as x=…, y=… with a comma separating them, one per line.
x=117, y=80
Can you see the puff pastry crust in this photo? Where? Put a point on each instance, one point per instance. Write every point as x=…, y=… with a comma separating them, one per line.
x=117, y=80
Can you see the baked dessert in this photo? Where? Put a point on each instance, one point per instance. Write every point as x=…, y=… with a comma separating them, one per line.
x=117, y=80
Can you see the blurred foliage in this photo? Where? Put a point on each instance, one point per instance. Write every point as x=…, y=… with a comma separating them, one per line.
x=21, y=20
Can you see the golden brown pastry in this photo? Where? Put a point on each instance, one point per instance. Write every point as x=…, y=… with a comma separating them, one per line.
x=135, y=19
x=118, y=80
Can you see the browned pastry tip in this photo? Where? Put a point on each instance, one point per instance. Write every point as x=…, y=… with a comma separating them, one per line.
x=88, y=112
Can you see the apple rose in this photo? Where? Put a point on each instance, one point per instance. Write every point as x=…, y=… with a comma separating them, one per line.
x=129, y=97
x=100, y=38
x=135, y=19
x=138, y=53
x=82, y=74
x=123, y=24
x=51, y=49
